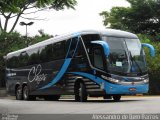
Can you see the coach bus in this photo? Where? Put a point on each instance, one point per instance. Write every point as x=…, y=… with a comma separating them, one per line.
x=107, y=63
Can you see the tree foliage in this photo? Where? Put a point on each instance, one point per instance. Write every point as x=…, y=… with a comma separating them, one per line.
x=141, y=17
x=16, y=9
x=153, y=64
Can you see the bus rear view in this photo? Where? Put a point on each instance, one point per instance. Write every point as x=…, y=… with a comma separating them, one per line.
x=108, y=64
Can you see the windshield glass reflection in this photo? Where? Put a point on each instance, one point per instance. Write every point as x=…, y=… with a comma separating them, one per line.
x=126, y=55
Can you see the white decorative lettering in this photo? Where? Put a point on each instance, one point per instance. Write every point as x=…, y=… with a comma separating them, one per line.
x=36, y=75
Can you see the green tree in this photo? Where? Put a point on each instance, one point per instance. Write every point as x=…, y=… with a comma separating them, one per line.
x=153, y=64
x=16, y=9
x=141, y=17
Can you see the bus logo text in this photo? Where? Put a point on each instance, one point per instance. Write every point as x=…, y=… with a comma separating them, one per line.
x=35, y=74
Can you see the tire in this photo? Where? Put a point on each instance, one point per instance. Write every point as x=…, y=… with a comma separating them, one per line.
x=26, y=95
x=80, y=93
x=52, y=98
x=116, y=98
x=19, y=93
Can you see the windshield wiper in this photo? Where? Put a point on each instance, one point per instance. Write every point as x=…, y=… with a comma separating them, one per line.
x=133, y=60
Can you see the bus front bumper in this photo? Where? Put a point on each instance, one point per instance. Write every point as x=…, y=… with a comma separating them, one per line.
x=125, y=89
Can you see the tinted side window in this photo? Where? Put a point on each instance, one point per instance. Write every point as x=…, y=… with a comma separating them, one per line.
x=80, y=52
x=33, y=56
x=13, y=62
x=42, y=54
x=87, y=41
x=38, y=55
x=52, y=52
x=23, y=59
x=71, y=46
x=88, y=38
x=98, y=58
x=59, y=50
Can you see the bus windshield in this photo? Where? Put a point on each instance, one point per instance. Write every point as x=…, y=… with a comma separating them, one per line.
x=126, y=56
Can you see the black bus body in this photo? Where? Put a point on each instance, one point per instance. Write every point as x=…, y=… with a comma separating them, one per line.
x=107, y=63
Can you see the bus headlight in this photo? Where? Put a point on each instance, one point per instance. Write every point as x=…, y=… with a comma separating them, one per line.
x=110, y=79
x=146, y=80
x=113, y=80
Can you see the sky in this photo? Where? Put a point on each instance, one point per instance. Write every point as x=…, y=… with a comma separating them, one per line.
x=85, y=16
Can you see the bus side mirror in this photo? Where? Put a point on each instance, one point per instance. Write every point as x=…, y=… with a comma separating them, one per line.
x=104, y=45
x=152, y=51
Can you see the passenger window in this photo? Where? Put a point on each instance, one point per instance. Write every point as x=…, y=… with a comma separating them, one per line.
x=98, y=58
x=71, y=46
x=23, y=59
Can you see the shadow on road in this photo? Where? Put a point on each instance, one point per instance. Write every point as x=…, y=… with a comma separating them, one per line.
x=88, y=101
x=102, y=101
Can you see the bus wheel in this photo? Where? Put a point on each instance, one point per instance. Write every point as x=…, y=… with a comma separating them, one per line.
x=52, y=97
x=80, y=92
x=116, y=98
x=26, y=95
x=19, y=93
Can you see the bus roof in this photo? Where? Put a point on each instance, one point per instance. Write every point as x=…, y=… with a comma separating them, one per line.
x=106, y=32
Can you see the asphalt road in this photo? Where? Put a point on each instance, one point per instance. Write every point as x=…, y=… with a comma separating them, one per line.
x=94, y=106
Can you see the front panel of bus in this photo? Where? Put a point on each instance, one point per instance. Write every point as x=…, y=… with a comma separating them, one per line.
x=126, y=66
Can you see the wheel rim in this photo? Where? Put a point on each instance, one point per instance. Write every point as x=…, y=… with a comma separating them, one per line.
x=80, y=92
x=25, y=93
x=18, y=93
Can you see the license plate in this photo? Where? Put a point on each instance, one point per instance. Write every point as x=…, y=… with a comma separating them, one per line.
x=132, y=89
